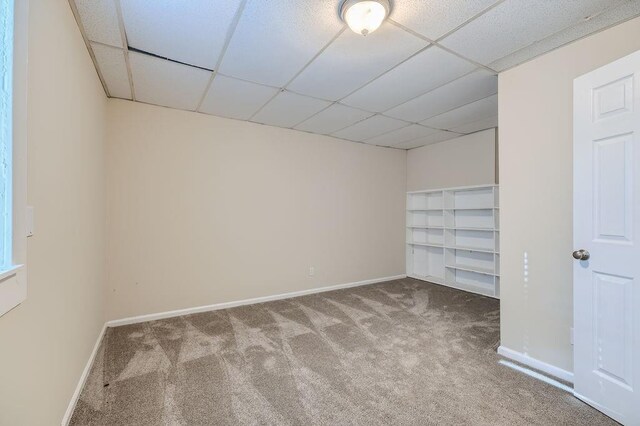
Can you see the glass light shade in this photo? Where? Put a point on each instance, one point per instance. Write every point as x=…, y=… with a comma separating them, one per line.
x=364, y=17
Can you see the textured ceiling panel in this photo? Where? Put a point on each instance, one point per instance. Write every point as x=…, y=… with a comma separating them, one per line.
x=404, y=134
x=469, y=113
x=353, y=60
x=369, y=128
x=332, y=119
x=288, y=109
x=100, y=21
x=113, y=68
x=435, y=18
x=472, y=87
x=285, y=62
x=233, y=98
x=476, y=126
x=423, y=72
x=606, y=19
x=189, y=31
x=439, y=136
x=272, y=44
x=515, y=24
x=160, y=82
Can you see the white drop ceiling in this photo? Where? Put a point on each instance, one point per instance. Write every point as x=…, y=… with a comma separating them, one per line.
x=429, y=74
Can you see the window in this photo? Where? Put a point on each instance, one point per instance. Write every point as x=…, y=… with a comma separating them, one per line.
x=13, y=119
x=6, y=138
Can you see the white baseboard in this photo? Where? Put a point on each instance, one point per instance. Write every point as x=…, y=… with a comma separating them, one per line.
x=233, y=304
x=83, y=378
x=525, y=359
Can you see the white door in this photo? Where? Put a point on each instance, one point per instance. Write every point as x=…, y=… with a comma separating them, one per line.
x=606, y=225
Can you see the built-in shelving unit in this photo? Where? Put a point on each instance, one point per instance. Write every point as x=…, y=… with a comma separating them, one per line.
x=453, y=238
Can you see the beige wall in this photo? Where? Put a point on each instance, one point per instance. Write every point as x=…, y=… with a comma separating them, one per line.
x=536, y=191
x=204, y=210
x=467, y=160
x=46, y=342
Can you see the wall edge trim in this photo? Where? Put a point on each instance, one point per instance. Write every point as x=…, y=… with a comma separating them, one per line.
x=534, y=363
x=252, y=301
x=83, y=378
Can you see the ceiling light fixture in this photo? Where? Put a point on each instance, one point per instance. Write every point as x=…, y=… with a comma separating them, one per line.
x=365, y=16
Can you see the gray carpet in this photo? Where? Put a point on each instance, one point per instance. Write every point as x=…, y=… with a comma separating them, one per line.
x=403, y=352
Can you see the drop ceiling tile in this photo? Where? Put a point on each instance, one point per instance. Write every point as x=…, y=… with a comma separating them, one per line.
x=113, y=68
x=332, y=119
x=404, y=134
x=193, y=31
x=288, y=109
x=604, y=20
x=515, y=24
x=161, y=82
x=439, y=136
x=100, y=21
x=420, y=74
x=272, y=44
x=353, y=60
x=369, y=128
x=469, y=113
x=232, y=98
x=476, y=126
x=435, y=18
x=472, y=87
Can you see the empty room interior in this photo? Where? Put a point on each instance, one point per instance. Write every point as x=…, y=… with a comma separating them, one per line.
x=319, y=212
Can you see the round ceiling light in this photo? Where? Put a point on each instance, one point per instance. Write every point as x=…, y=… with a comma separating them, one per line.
x=365, y=16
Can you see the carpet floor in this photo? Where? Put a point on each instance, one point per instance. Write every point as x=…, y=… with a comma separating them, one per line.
x=402, y=352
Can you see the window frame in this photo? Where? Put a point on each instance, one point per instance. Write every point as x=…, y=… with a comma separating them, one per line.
x=13, y=277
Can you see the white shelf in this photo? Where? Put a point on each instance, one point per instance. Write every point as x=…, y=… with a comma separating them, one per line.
x=430, y=278
x=478, y=269
x=470, y=208
x=478, y=289
x=468, y=228
x=426, y=244
x=453, y=238
x=454, y=188
x=478, y=249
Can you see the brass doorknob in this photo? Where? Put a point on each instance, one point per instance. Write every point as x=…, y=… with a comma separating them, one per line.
x=581, y=254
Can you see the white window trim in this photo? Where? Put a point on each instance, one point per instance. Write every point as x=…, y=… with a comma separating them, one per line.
x=13, y=280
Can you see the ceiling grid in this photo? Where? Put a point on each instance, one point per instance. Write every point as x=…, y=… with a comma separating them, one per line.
x=76, y=14
x=428, y=75
x=230, y=33
x=284, y=87
x=125, y=43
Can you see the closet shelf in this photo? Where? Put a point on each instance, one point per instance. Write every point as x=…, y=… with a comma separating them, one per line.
x=470, y=228
x=466, y=231
x=476, y=269
x=478, y=289
x=453, y=228
x=469, y=208
x=430, y=278
x=468, y=248
x=425, y=244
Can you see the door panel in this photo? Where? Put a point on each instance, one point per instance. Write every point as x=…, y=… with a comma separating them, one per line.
x=612, y=331
x=613, y=187
x=613, y=98
x=606, y=223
